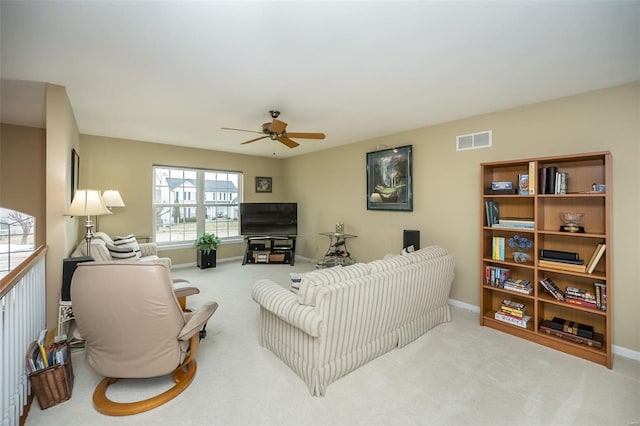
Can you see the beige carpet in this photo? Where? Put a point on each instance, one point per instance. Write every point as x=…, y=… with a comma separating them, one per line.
x=457, y=374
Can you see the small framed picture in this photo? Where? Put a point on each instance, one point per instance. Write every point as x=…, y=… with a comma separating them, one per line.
x=523, y=184
x=263, y=184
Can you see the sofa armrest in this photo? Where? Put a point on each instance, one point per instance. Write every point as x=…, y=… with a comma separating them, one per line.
x=148, y=249
x=284, y=304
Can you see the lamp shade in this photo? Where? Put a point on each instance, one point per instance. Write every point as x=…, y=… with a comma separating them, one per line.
x=87, y=202
x=112, y=198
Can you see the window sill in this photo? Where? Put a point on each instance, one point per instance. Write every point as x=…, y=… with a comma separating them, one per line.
x=189, y=245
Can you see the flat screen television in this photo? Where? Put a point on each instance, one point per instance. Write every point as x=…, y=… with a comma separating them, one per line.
x=268, y=219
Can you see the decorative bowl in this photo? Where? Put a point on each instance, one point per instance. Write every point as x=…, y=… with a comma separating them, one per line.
x=572, y=219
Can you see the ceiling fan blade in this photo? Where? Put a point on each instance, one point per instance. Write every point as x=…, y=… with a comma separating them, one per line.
x=306, y=135
x=288, y=142
x=253, y=140
x=278, y=126
x=240, y=130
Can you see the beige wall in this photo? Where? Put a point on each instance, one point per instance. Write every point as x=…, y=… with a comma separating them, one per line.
x=330, y=186
x=22, y=173
x=126, y=165
x=62, y=232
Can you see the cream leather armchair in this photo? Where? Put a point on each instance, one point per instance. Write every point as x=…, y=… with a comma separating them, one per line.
x=134, y=327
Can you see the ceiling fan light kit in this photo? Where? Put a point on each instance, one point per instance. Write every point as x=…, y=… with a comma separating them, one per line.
x=276, y=130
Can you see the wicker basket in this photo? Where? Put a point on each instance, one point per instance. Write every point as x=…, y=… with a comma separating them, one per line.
x=53, y=385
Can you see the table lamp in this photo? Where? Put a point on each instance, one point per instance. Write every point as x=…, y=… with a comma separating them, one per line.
x=112, y=198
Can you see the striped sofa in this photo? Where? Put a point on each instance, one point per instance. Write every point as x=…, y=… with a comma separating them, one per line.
x=342, y=318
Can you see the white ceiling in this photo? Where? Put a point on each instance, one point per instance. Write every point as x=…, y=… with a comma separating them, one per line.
x=176, y=72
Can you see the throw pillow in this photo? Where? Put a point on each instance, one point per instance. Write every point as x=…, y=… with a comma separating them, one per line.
x=124, y=248
x=125, y=240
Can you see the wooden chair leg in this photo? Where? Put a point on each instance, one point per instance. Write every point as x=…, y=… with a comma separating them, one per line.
x=183, y=303
x=182, y=377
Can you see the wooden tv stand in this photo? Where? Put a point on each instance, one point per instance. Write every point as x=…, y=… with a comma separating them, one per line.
x=270, y=249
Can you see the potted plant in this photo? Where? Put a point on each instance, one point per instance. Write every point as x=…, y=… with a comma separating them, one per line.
x=206, y=246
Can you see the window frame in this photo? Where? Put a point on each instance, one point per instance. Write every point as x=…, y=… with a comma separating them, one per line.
x=195, y=200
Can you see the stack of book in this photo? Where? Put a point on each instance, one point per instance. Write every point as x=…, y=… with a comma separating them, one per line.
x=520, y=286
x=564, y=260
x=580, y=297
x=513, y=313
x=552, y=289
x=575, y=332
x=494, y=276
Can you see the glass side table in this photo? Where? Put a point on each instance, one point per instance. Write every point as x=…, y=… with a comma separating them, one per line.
x=337, y=254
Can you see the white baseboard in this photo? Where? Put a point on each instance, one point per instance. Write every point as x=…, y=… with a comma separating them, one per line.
x=459, y=304
x=617, y=350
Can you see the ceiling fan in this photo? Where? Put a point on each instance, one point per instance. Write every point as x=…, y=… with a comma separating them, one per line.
x=276, y=131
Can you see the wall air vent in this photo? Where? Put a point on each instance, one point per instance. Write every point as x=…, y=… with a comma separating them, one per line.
x=473, y=141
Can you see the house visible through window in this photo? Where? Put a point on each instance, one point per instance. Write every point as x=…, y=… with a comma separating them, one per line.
x=188, y=202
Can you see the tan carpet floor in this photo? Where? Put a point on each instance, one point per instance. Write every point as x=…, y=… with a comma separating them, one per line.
x=457, y=374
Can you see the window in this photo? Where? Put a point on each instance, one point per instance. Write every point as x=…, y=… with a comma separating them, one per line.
x=188, y=202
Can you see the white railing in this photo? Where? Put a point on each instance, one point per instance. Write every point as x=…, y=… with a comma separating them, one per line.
x=22, y=299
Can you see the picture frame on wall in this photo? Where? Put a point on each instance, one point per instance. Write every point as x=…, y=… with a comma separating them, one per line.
x=75, y=172
x=389, y=179
x=263, y=184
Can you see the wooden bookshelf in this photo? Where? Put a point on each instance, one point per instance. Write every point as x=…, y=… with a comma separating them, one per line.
x=582, y=171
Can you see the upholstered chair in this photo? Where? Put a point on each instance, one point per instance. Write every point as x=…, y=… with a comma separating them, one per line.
x=134, y=327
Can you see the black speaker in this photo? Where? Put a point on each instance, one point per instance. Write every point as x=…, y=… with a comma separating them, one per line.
x=411, y=237
x=68, y=268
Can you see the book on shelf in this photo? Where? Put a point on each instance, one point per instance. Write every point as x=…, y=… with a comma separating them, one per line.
x=580, y=302
x=495, y=276
x=492, y=211
x=552, y=288
x=595, y=258
x=519, y=286
x=532, y=177
x=561, y=183
x=495, y=213
x=595, y=342
x=498, y=248
x=560, y=255
x=547, y=184
x=555, y=264
x=558, y=260
x=511, y=312
x=513, y=308
x=520, y=322
x=601, y=296
x=578, y=292
x=515, y=223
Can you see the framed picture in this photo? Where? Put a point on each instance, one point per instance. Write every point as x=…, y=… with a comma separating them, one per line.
x=75, y=172
x=263, y=184
x=389, y=179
